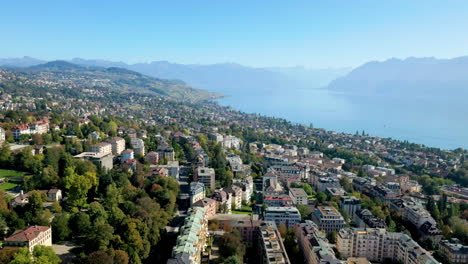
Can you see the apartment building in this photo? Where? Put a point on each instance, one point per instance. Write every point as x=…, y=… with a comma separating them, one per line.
x=378, y=245
x=206, y=176
x=314, y=245
x=30, y=237
x=138, y=146
x=118, y=145
x=270, y=245
x=298, y=196
x=277, y=200
x=328, y=219
x=192, y=238
x=454, y=250
x=350, y=205
x=102, y=148
x=287, y=215
x=196, y=192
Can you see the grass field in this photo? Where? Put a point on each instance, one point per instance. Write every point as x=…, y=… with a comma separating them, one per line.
x=6, y=186
x=11, y=173
x=241, y=212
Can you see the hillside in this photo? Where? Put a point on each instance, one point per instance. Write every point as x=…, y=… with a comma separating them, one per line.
x=62, y=74
x=412, y=76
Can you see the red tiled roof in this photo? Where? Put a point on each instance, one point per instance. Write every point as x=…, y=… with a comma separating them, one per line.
x=27, y=234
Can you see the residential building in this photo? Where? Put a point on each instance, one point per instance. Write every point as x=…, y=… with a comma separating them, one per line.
x=236, y=193
x=287, y=215
x=2, y=135
x=54, y=195
x=30, y=237
x=196, y=192
x=165, y=151
x=327, y=182
x=277, y=200
x=38, y=127
x=127, y=154
x=335, y=191
x=224, y=200
x=350, y=205
x=378, y=245
x=314, y=245
x=104, y=160
x=271, y=248
x=247, y=187
x=102, y=148
x=138, y=146
x=365, y=218
x=118, y=145
x=206, y=176
x=192, y=238
x=410, y=187
x=328, y=219
x=454, y=250
x=152, y=157
x=231, y=142
x=210, y=206
x=298, y=196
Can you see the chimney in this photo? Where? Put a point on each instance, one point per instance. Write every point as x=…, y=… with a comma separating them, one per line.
x=21, y=193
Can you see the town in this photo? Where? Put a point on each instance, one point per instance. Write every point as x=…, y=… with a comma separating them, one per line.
x=90, y=175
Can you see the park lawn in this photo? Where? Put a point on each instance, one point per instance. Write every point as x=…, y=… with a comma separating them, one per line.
x=6, y=186
x=11, y=173
x=240, y=212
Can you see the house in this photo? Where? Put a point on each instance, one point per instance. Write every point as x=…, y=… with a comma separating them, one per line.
x=20, y=200
x=152, y=157
x=127, y=154
x=30, y=237
x=236, y=193
x=224, y=200
x=54, y=194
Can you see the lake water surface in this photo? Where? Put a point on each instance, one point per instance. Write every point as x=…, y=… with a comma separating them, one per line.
x=436, y=122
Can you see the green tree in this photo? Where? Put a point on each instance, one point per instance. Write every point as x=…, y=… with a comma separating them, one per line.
x=78, y=186
x=60, y=228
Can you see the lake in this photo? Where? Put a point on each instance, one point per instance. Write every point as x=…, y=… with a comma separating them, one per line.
x=437, y=122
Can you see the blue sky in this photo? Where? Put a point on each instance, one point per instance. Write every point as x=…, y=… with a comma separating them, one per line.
x=257, y=33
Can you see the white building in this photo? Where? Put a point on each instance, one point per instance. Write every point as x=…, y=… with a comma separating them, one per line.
x=138, y=146
x=231, y=142
x=102, y=148
x=298, y=195
x=197, y=192
x=2, y=135
x=328, y=218
x=118, y=145
x=378, y=245
x=30, y=237
x=287, y=215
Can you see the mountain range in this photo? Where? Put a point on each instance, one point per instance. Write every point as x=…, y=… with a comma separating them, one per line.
x=411, y=76
x=68, y=77
x=225, y=78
